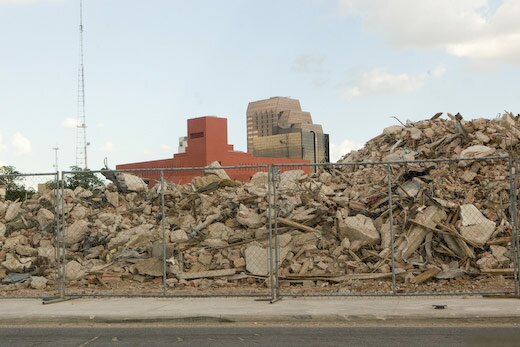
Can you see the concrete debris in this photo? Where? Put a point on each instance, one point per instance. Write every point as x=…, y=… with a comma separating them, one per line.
x=216, y=169
x=475, y=228
x=360, y=228
x=334, y=225
x=151, y=267
x=38, y=282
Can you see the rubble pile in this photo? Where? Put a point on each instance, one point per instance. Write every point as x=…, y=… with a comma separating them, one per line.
x=449, y=221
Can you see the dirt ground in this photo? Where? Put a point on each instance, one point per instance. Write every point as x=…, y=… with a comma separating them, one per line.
x=260, y=287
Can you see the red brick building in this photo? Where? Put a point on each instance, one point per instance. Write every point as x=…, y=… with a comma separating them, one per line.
x=208, y=142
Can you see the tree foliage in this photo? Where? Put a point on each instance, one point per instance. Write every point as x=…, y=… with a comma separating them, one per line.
x=82, y=178
x=12, y=181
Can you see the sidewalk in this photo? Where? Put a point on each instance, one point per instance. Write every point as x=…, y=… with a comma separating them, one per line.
x=246, y=310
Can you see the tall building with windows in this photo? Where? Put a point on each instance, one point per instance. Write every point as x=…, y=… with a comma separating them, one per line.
x=278, y=128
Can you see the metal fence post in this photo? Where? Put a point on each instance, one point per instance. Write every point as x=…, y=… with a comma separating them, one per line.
x=163, y=227
x=392, y=232
x=513, y=175
x=60, y=238
x=270, y=221
x=57, y=228
x=276, y=240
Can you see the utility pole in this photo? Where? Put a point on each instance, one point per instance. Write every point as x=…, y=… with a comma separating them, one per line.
x=81, y=128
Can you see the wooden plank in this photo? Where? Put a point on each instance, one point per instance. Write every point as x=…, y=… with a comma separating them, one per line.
x=500, y=240
x=296, y=225
x=498, y=271
x=205, y=274
x=425, y=275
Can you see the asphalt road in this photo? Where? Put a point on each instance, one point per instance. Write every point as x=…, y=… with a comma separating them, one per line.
x=270, y=336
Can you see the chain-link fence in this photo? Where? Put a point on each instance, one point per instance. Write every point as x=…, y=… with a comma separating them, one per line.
x=166, y=232
x=399, y=228
x=28, y=227
x=387, y=228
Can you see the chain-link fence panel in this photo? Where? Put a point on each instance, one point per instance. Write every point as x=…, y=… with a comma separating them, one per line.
x=112, y=238
x=452, y=227
x=400, y=228
x=514, y=172
x=216, y=222
x=331, y=222
x=28, y=227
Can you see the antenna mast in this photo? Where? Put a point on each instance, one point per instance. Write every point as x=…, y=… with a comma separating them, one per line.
x=81, y=130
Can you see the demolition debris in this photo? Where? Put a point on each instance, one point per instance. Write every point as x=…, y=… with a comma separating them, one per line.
x=371, y=217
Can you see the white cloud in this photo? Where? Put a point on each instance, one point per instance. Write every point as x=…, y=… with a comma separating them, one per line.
x=475, y=29
x=108, y=147
x=339, y=150
x=100, y=125
x=21, y=144
x=379, y=81
x=308, y=63
x=70, y=123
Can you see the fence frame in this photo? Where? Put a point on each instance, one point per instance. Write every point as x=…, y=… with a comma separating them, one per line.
x=512, y=164
x=162, y=183
x=274, y=291
x=56, y=227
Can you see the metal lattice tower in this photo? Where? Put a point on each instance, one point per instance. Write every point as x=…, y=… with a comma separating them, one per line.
x=81, y=130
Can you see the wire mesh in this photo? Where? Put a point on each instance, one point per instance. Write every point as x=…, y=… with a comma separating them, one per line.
x=328, y=222
x=28, y=226
x=397, y=228
x=111, y=234
x=436, y=227
x=218, y=228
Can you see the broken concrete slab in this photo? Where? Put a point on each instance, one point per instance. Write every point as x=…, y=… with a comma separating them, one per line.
x=360, y=228
x=475, y=228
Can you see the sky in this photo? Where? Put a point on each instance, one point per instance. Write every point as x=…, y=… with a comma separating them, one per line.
x=151, y=65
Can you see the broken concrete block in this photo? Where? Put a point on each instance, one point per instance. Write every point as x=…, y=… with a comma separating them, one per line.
x=74, y=271
x=216, y=169
x=75, y=232
x=151, y=267
x=248, y=217
x=38, y=282
x=360, y=228
x=13, y=264
x=393, y=130
x=13, y=211
x=219, y=231
x=477, y=151
x=133, y=183
x=112, y=198
x=44, y=218
x=475, y=228
x=487, y=262
x=178, y=236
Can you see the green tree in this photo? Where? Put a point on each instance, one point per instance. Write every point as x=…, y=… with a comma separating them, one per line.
x=82, y=178
x=10, y=178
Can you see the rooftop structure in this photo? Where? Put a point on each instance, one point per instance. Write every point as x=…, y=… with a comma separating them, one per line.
x=207, y=142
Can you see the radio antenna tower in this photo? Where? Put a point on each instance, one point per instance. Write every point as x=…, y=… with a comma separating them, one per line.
x=81, y=128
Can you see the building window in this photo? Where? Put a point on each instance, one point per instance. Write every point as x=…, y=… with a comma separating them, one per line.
x=196, y=135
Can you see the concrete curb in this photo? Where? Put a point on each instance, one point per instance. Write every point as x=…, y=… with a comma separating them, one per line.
x=222, y=311
x=278, y=319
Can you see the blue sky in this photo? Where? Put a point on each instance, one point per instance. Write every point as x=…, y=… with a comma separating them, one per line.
x=150, y=65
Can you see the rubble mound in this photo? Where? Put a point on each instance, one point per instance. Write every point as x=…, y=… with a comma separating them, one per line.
x=448, y=223
x=442, y=138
